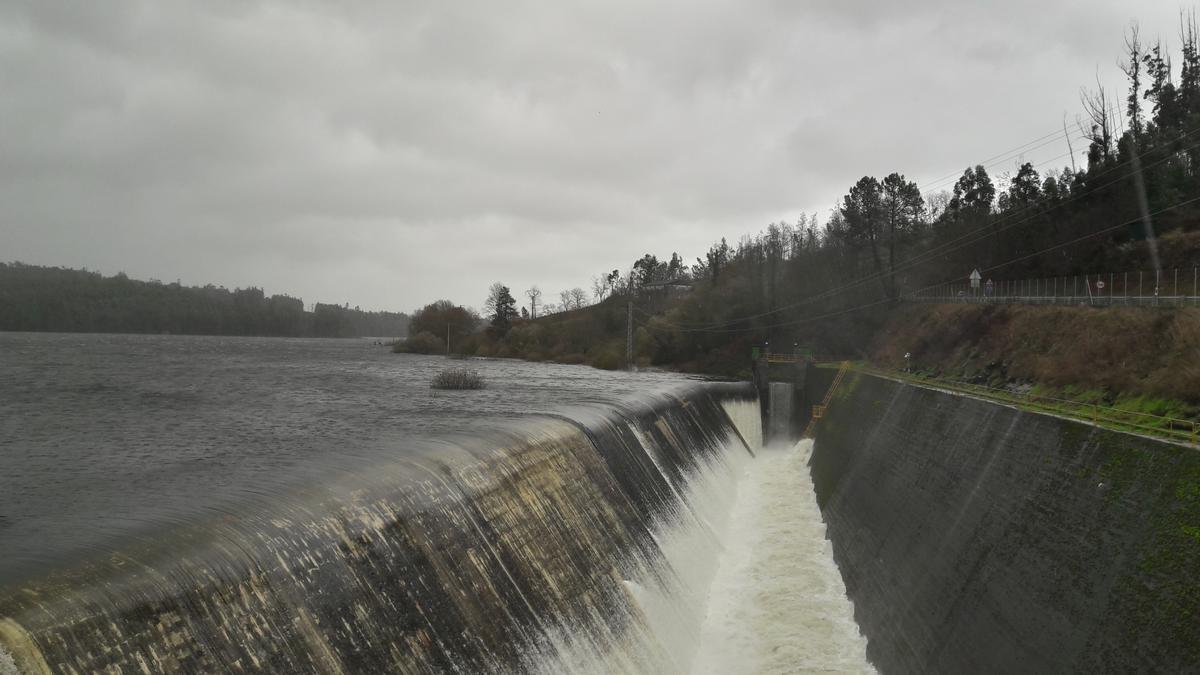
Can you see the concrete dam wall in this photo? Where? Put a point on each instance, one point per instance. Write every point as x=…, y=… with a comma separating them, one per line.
x=974, y=537
x=582, y=543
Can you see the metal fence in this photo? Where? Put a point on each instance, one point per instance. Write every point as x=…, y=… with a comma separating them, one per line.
x=1176, y=287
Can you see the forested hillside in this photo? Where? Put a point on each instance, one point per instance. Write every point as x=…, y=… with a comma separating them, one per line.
x=1132, y=204
x=34, y=298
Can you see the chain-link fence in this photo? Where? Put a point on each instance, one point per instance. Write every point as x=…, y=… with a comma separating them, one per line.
x=1176, y=287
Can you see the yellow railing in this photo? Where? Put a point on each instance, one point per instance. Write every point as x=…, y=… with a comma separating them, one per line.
x=818, y=411
x=1115, y=418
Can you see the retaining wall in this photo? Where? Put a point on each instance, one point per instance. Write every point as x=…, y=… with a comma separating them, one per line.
x=974, y=537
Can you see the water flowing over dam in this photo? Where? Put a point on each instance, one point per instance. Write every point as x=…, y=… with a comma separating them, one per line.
x=778, y=604
x=637, y=537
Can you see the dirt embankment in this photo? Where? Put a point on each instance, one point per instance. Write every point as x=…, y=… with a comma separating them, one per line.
x=1119, y=352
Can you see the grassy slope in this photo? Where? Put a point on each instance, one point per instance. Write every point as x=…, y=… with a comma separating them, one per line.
x=1136, y=360
x=1143, y=359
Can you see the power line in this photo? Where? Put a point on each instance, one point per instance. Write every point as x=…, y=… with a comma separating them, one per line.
x=950, y=180
x=777, y=325
x=878, y=275
x=977, y=236
x=966, y=239
x=819, y=317
x=1040, y=141
x=718, y=328
x=1089, y=235
x=989, y=160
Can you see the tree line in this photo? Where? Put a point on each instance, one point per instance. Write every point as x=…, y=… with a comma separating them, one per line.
x=36, y=298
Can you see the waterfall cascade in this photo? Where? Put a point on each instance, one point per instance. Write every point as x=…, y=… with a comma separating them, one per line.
x=584, y=543
x=547, y=544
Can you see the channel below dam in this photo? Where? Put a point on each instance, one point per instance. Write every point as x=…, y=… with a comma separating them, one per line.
x=919, y=532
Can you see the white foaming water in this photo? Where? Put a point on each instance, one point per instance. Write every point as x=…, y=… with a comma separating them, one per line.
x=7, y=665
x=668, y=604
x=747, y=419
x=751, y=585
x=778, y=603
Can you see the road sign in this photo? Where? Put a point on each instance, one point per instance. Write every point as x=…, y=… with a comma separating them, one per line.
x=1100, y=285
x=975, y=277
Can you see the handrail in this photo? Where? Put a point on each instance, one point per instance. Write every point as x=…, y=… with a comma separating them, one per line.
x=1158, y=425
x=799, y=358
x=818, y=410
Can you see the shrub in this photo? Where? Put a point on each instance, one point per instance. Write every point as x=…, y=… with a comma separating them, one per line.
x=470, y=345
x=421, y=343
x=457, y=378
x=609, y=358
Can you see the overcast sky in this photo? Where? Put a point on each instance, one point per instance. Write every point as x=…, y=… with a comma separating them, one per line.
x=389, y=153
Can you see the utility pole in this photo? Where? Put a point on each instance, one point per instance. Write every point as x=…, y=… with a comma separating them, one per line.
x=447, y=339
x=629, y=338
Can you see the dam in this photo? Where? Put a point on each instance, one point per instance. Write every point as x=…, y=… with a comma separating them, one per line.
x=580, y=545
x=671, y=529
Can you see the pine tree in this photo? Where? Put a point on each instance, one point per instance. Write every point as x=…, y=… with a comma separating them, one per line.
x=902, y=206
x=1161, y=89
x=1025, y=188
x=863, y=214
x=973, y=193
x=503, y=307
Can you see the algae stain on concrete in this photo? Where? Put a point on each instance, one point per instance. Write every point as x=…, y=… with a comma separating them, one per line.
x=1113, y=517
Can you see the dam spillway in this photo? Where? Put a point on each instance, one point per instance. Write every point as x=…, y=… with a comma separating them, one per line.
x=777, y=603
x=587, y=542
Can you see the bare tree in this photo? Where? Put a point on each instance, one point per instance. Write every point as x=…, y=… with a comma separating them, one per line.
x=535, y=295
x=1070, y=150
x=495, y=292
x=1099, y=111
x=578, y=298
x=936, y=204
x=564, y=299
x=1133, y=70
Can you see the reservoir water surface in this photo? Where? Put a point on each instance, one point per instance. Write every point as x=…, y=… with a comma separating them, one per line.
x=109, y=436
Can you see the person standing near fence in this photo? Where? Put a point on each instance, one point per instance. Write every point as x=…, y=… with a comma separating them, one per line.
x=988, y=288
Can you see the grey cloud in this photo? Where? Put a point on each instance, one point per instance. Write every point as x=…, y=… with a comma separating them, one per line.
x=388, y=153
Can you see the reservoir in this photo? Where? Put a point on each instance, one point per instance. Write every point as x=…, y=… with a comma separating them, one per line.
x=106, y=436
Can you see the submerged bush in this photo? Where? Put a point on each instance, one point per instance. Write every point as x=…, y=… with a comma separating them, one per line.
x=457, y=378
